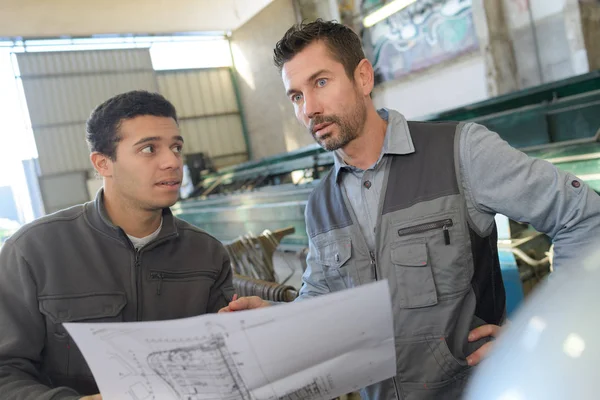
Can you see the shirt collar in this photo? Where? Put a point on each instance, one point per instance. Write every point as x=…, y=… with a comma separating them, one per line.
x=397, y=139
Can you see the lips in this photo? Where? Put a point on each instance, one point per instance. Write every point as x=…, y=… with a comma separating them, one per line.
x=169, y=183
x=321, y=126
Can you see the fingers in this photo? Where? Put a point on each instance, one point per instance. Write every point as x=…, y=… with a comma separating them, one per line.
x=244, y=303
x=484, y=331
x=479, y=354
x=479, y=333
x=247, y=303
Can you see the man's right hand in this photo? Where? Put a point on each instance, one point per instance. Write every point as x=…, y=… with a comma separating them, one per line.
x=245, y=303
x=94, y=397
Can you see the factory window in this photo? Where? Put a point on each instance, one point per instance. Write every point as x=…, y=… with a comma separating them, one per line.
x=167, y=52
x=205, y=53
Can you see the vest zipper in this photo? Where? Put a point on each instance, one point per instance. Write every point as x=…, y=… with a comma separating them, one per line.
x=446, y=235
x=378, y=224
x=373, y=264
x=444, y=224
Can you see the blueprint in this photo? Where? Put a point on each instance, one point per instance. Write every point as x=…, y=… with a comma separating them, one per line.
x=318, y=348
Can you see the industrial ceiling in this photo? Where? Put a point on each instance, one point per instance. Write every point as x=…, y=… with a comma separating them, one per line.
x=42, y=18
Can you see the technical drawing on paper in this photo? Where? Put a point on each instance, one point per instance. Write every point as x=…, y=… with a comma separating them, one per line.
x=310, y=391
x=192, y=368
x=194, y=372
x=245, y=356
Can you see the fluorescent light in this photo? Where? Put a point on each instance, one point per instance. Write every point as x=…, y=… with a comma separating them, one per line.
x=385, y=11
x=574, y=345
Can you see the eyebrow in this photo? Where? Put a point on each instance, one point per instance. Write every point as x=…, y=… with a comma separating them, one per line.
x=310, y=78
x=157, y=139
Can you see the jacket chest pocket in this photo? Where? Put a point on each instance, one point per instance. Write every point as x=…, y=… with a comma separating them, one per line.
x=62, y=354
x=430, y=261
x=175, y=281
x=334, y=259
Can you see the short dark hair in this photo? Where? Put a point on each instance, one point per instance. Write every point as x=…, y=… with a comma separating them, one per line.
x=343, y=43
x=102, y=127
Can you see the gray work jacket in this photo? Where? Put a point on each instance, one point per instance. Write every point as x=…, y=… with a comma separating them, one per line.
x=75, y=266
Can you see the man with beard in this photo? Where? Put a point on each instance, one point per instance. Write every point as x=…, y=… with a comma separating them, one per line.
x=121, y=257
x=414, y=203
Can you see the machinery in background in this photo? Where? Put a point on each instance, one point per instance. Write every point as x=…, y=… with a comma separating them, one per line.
x=254, y=271
x=558, y=122
x=196, y=164
x=245, y=286
x=524, y=259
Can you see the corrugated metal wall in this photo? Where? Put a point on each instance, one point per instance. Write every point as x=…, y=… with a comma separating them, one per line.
x=62, y=88
x=208, y=110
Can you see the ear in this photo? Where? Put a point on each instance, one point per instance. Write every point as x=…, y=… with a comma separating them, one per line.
x=102, y=164
x=364, y=76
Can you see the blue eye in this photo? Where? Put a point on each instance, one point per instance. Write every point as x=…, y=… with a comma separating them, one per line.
x=322, y=82
x=296, y=98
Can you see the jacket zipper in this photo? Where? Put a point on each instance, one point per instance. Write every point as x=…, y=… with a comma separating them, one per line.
x=444, y=224
x=138, y=284
x=161, y=276
x=138, y=270
x=396, y=387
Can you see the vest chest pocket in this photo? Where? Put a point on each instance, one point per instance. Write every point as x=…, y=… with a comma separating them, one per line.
x=414, y=277
x=443, y=244
x=334, y=259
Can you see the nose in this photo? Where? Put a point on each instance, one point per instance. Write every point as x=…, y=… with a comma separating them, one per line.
x=171, y=160
x=312, y=106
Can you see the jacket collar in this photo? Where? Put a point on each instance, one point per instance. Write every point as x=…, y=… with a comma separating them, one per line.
x=97, y=216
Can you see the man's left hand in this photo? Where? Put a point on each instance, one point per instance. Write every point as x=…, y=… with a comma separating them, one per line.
x=479, y=333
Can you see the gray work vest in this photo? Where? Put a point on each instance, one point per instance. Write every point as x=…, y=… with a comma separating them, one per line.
x=444, y=277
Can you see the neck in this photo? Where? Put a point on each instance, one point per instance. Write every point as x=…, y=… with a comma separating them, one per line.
x=133, y=220
x=364, y=151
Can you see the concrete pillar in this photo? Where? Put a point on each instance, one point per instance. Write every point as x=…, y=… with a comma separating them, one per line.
x=496, y=46
x=590, y=23
x=575, y=35
x=269, y=114
x=547, y=39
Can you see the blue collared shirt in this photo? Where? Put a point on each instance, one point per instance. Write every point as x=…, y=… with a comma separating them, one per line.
x=363, y=187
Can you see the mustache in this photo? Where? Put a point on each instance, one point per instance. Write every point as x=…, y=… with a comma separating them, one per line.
x=322, y=119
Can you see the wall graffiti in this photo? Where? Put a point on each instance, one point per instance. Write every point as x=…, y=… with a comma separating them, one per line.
x=424, y=34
